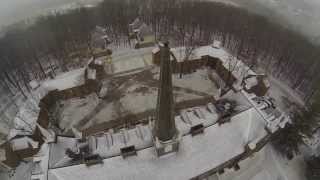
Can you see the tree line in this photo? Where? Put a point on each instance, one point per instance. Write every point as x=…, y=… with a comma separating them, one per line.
x=27, y=52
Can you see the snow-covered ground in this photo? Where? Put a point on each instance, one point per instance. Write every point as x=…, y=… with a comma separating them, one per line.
x=66, y=80
x=267, y=165
x=198, y=81
x=129, y=64
x=123, y=60
x=73, y=110
x=129, y=59
x=136, y=96
x=283, y=95
x=22, y=172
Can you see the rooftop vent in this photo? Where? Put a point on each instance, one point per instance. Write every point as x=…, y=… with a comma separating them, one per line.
x=128, y=151
x=92, y=160
x=197, y=129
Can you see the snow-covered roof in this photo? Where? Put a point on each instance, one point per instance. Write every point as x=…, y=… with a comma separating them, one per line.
x=57, y=152
x=98, y=61
x=251, y=82
x=91, y=73
x=274, y=118
x=41, y=160
x=34, y=84
x=263, y=175
x=66, y=80
x=2, y=154
x=144, y=29
x=106, y=144
x=26, y=118
x=140, y=137
x=197, y=154
x=100, y=29
x=48, y=135
x=105, y=37
x=23, y=143
x=155, y=50
x=216, y=44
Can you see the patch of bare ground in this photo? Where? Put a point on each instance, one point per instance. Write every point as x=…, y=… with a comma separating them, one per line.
x=138, y=83
x=117, y=90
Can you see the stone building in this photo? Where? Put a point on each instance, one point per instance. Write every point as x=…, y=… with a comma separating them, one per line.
x=8, y=158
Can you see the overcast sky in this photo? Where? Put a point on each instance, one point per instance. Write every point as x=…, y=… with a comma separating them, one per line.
x=15, y=10
x=303, y=15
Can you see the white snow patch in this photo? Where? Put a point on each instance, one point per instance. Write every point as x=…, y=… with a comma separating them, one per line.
x=197, y=81
x=66, y=80
x=23, y=143
x=129, y=64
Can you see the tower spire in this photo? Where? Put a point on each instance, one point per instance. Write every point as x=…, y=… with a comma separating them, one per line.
x=165, y=131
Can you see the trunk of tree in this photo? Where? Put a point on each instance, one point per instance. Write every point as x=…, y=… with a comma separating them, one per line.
x=9, y=79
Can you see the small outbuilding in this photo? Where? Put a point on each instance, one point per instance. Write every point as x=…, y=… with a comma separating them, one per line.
x=8, y=158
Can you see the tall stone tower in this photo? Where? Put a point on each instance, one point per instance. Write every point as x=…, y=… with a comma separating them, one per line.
x=165, y=132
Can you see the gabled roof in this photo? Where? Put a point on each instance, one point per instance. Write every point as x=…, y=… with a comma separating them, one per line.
x=23, y=143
